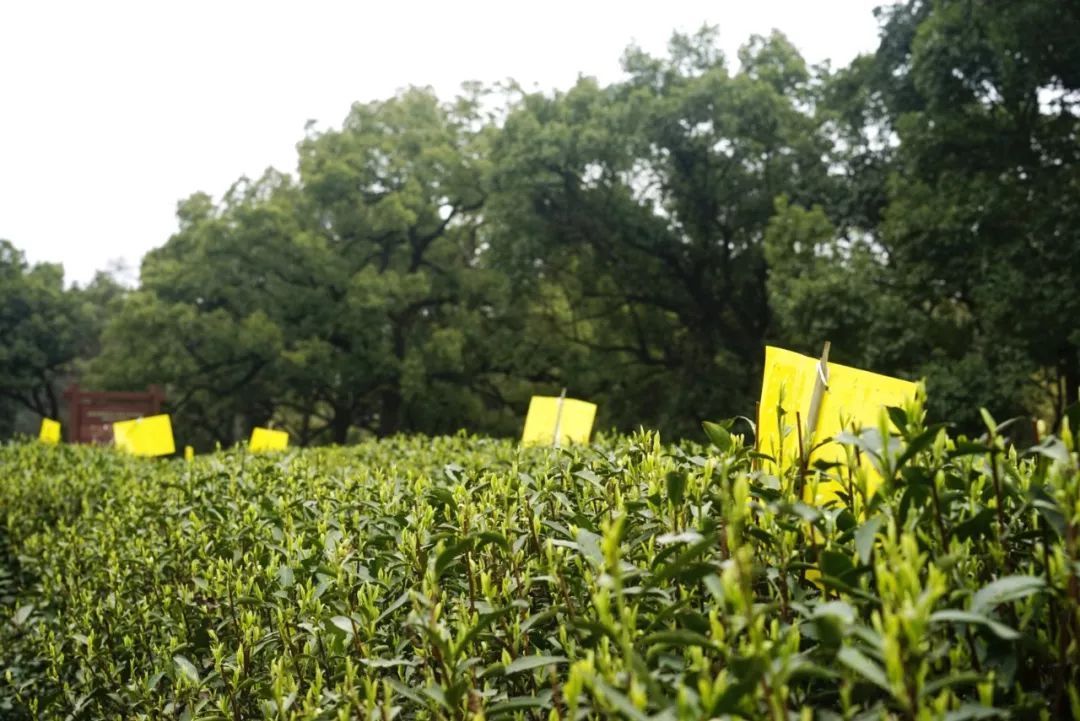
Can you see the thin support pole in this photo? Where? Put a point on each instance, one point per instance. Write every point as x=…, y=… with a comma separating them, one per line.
x=558, y=419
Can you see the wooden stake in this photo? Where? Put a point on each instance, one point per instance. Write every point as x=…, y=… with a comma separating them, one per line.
x=821, y=384
x=558, y=418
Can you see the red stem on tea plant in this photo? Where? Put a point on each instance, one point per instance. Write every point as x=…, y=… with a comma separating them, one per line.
x=997, y=493
x=802, y=458
x=755, y=463
x=472, y=581
x=971, y=649
x=231, y=693
x=556, y=693
x=937, y=513
x=785, y=609
x=566, y=594
x=1054, y=625
x=469, y=566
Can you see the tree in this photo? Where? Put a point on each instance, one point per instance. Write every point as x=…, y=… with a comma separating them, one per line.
x=646, y=204
x=956, y=149
x=395, y=197
x=983, y=211
x=211, y=363
x=45, y=329
x=352, y=297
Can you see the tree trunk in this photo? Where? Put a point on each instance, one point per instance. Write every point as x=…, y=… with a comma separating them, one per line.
x=340, y=425
x=390, y=413
x=390, y=416
x=1070, y=375
x=54, y=403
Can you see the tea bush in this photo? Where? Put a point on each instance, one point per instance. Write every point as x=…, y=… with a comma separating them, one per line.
x=454, y=578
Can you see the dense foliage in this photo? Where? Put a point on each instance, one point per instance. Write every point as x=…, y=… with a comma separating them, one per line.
x=45, y=329
x=432, y=263
x=460, y=577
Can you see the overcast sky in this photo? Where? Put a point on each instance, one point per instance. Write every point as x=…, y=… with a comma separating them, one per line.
x=111, y=112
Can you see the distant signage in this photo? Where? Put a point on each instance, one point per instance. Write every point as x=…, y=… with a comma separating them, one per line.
x=93, y=413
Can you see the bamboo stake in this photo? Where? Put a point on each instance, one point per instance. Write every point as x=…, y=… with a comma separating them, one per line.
x=558, y=418
x=821, y=384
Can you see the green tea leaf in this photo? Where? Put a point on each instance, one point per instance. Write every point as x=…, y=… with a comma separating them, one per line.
x=676, y=637
x=344, y=623
x=620, y=702
x=676, y=486
x=967, y=617
x=864, y=537
x=589, y=543
x=974, y=712
x=451, y=554
x=387, y=662
x=835, y=563
x=898, y=416
x=187, y=669
x=718, y=436
x=867, y=669
x=524, y=663
x=918, y=444
x=23, y=613
x=516, y=703
x=1003, y=590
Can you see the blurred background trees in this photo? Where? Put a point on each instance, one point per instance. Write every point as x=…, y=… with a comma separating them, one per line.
x=433, y=263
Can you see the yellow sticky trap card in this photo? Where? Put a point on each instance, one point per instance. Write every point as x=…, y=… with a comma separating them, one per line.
x=50, y=431
x=149, y=436
x=189, y=454
x=850, y=398
x=265, y=439
x=558, y=421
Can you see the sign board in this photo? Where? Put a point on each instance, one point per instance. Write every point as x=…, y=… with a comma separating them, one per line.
x=93, y=413
x=554, y=420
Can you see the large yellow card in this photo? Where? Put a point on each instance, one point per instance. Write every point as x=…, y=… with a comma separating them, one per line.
x=50, y=431
x=149, y=436
x=265, y=439
x=853, y=398
x=573, y=419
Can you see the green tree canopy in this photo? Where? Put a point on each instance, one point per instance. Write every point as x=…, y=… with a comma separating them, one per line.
x=44, y=330
x=646, y=204
x=354, y=296
x=431, y=264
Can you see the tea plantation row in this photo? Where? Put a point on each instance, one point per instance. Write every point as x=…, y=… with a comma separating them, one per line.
x=456, y=578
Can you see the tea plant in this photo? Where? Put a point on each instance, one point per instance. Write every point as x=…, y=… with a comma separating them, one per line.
x=455, y=578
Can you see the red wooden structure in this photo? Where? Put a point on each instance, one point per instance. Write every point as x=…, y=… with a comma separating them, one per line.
x=92, y=413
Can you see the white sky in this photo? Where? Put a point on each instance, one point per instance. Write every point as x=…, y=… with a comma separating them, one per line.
x=111, y=112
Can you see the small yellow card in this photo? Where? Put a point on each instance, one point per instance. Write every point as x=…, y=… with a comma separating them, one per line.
x=50, y=431
x=265, y=439
x=853, y=397
x=189, y=454
x=558, y=421
x=148, y=436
